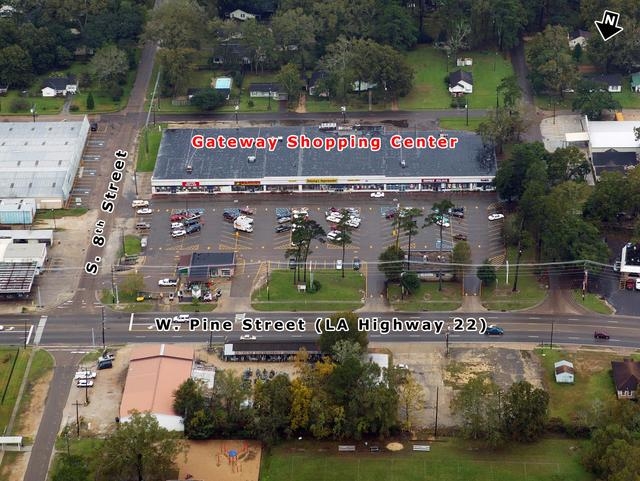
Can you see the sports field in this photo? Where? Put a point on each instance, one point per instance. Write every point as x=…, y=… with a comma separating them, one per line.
x=548, y=460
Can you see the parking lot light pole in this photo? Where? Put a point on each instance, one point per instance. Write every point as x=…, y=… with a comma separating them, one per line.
x=343, y=109
x=237, y=108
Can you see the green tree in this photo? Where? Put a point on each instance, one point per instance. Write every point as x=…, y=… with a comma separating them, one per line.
x=258, y=39
x=289, y=80
x=176, y=25
x=394, y=27
x=478, y=404
x=139, y=449
x=500, y=127
x=410, y=281
x=591, y=99
x=15, y=66
x=509, y=20
x=190, y=402
x=407, y=224
x=577, y=53
x=329, y=338
x=511, y=174
x=304, y=232
x=411, y=399
x=109, y=66
x=567, y=163
x=511, y=92
x=552, y=68
x=294, y=32
x=132, y=284
x=608, y=197
x=176, y=64
x=460, y=256
x=208, y=99
x=525, y=412
x=90, y=102
x=344, y=349
x=70, y=468
x=272, y=409
x=487, y=273
x=438, y=211
x=230, y=393
x=391, y=262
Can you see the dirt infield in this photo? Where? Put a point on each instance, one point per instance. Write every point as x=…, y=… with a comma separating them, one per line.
x=212, y=461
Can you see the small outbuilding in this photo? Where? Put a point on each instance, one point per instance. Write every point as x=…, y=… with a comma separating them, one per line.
x=564, y=372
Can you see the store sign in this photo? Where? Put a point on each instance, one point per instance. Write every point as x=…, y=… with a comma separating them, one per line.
x=322, y=180
x=190, y=184
x=436, y=181
x=486, y=180
x=247, y=182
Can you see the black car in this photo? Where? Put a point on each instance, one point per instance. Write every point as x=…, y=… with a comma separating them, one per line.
x=457, y=212
x=94, y=126
x=356, y=264
x=229, y=217
x=193, y=228
x=600, y=335
x=390, y=214
x=292, y=263
x=283, y=228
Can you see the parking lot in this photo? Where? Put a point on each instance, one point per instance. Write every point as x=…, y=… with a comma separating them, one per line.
x=265, y=244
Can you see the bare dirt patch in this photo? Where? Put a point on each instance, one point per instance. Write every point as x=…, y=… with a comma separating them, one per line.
x=215, y=461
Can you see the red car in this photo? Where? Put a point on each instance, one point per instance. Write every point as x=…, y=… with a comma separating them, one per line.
x=177, y=217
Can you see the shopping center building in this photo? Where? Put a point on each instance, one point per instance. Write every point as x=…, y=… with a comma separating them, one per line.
x=328, y=158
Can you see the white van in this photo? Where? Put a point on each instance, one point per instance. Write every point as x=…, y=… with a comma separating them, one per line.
x=139, y=203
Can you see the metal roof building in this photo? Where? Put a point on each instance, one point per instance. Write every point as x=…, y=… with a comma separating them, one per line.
x=40, y=160
x=370, y=161
x=616, y=135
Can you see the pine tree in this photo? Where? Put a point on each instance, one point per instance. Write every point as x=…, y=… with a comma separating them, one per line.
x=90, y=102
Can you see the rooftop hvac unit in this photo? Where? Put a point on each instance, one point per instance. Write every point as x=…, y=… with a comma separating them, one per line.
x=251, y=159
x=189, y=169
x=403, y=164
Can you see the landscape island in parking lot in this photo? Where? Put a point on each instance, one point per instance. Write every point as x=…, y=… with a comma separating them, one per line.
x=316, y=241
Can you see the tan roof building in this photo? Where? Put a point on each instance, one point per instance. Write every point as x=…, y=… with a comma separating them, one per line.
x=155, y=372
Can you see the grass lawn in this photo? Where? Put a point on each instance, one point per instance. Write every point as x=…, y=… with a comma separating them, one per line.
x=60, y=213
x=430, y=91
x=593, y=302
x=43, y=105
x=41, y=364
x=147, y=155
x=202, y=307
x=13, y=362
x=593, y=381
x=132, y=245
x=428, y=297
x=336, y=293
x=460, y=124
x=501, y=297
x=448, y=460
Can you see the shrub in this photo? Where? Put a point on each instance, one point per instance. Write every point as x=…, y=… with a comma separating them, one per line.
x=90, y=102
x=115, y=92
x=17, y=105
x=74, y=107
x=314, y=287
x=250, y=104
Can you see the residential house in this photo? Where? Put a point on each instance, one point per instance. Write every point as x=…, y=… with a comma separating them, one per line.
x=54, y=86
x=362, y=86
x=626, y=376
x=564, y=372
x=4, y=89
x=635, y=82
x=201, y=266
x=241, y=15
x=610, y=82
x=7, y=11
x=578, y=37
x=231, y=54
x=262, y=90
x=460, y=82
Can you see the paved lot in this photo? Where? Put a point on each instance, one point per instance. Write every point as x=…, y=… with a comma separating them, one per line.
x=264, y=244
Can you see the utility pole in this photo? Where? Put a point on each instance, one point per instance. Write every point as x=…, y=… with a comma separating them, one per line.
x=551, y=344
x=77, y=404
x=467, y=107
x=515, y=282
x=103, y=342
x=435, y=430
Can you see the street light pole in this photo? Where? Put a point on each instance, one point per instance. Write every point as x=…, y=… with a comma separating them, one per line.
x=343, y=109
x=467, y=107
x=269, y=105
x=103, y=341
x=34, y=112
x=237, y=108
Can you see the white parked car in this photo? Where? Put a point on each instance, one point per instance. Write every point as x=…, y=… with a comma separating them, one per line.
x=248, y=337
x=334, y=236
x=178, y=233
x=353, y=222
x=496, y=216
x=144, y=211
x=444, y=222
x=168, y=282
x=84, y=383
x=339, y=264
x=139, y=203
x=377, y=195
x=85, y=375
x=177, y=225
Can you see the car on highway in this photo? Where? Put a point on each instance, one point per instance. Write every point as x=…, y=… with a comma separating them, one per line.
x=178, y=233
x=339, y=264
x=84, y=383
x=85, y=375
x=600, y=335
x=356, y=263
x=460, y=237
x=283, y=228
x=144, y=211
x=247, y=337
x=496, y=216
x=181, y=318
x=638, y=284
x=168, y=282
x=377, y=195
x=494, y=331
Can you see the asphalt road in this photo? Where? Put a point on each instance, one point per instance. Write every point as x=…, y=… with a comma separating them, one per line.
x=81, y=330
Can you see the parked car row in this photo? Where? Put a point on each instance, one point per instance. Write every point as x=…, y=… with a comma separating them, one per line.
x=185, y=222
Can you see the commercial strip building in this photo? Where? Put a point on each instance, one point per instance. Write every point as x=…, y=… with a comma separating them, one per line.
x=308, y=159
x=155, y=373
x=39, y=161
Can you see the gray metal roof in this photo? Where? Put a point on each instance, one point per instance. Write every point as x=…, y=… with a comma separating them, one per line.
x=176, y=153
x=40, y=159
